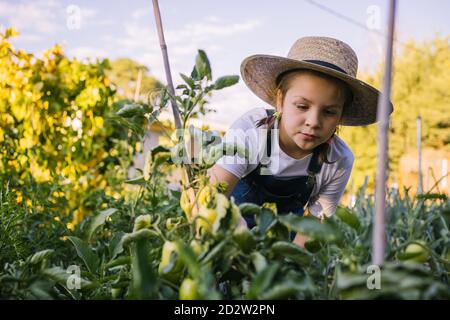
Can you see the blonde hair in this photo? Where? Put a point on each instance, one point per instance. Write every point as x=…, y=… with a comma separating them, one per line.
x=283, y=84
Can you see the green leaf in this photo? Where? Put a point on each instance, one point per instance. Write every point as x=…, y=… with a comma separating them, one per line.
x=258, y=260
x=265, y=220
x=136, y=129
x=194, y=74
x=153, y=116
x=99, y=220
x=161, y=158
x=139, y=180
x=159, y=149
x=142, y=234
x=144, y=282
x=262, y=281
x=225, y=81
x=202, y=65
x=85, y=253
x=188, y=80
x=130, y=110
x=347, y=280
x=125, y=260
x=189, y=258
x=248, y=209
x=313, y=246
x=291, y=251
x=311, y=227
x=348, y=218
x=214, y=251
x=432, y=196
x=280, y=291
x=245, y=239
x=116, y=245
x=41, y=255
x=41, y=289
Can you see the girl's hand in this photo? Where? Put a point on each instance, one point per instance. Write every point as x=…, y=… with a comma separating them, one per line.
x=300, y=240
x=242, y=223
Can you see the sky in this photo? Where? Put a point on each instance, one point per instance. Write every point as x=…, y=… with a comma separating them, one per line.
x=228, y=31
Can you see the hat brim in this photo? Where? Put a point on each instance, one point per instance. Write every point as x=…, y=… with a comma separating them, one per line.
x=260, y=72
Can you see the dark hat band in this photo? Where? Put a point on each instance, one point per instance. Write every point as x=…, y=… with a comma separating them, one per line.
x=318, y=62
x=327, y=64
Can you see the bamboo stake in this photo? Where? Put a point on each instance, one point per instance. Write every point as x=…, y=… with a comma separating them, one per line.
x=162, y=43
x=173, y=102
x=383, y=119
x=419, y=154
x=137, y=90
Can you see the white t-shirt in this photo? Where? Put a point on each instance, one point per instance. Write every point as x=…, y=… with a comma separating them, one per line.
x=330, y=181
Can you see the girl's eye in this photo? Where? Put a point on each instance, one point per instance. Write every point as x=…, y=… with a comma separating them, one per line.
x=327, y=112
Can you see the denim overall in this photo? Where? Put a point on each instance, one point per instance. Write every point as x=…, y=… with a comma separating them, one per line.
x=290, y=194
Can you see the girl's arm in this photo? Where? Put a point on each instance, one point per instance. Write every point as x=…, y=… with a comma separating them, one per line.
x=219, y=174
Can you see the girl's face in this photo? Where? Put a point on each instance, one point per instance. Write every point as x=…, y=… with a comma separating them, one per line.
x=311, y=110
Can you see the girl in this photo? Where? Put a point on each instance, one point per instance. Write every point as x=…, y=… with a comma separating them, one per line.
x=297, y=160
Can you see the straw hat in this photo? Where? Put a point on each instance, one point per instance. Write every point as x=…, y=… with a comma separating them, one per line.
x=326, y=55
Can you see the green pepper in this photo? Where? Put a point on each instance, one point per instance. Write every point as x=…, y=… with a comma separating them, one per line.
x=171, y=266
x=171, y=223
x=189, y=290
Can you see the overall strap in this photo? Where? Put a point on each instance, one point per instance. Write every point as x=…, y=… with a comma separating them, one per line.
x=268, y=149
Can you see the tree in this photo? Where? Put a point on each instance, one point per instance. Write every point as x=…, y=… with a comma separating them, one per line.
x=55, y=128
x=124, y=74
x=420, y=87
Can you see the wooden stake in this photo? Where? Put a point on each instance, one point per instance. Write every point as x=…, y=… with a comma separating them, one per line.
x=162, y=43
x=419, y=155
x=175, y=109
x=137, y=90
x=383, y=130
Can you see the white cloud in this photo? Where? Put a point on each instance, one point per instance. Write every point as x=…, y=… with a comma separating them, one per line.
x=28, y=38
x=88, y=13
x=91, y=18
x=140, y=41
x=213, y=19
x=208, y=30
x=85, y=52
x=233, y=102
x=140, y=13
x=37, y=16
x=45, y=17
x=216, y=27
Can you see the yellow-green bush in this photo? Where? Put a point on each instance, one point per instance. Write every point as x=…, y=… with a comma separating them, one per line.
x=54, y=124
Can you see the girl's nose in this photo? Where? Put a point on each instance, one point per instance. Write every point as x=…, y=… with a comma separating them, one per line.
x=313, y=119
